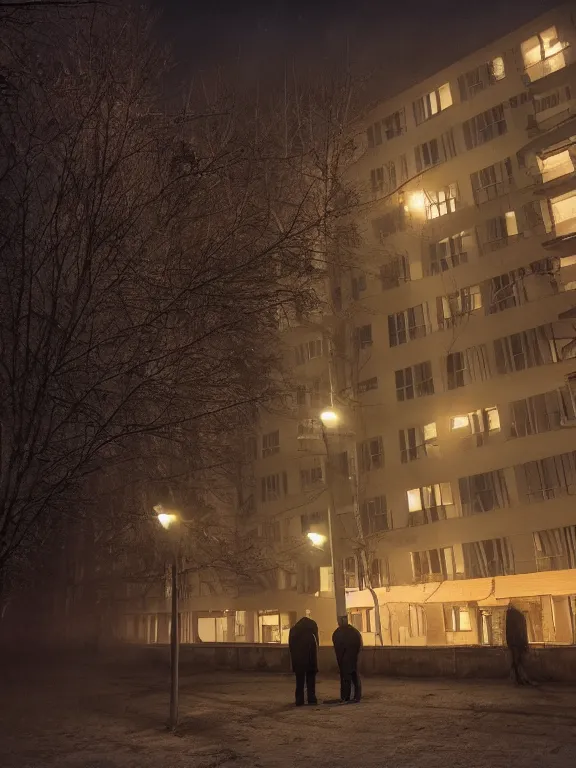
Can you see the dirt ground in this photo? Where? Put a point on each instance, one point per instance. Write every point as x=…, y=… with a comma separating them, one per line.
x=95, y=715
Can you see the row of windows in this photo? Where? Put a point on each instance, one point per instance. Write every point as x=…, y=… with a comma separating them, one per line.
x=536, y=481
x=541, y=54
x=556, y=214
x=554, y=549
x=533, y=347
x=312, y=476
x=495, y=294
x=529, y=416
x=477, y=130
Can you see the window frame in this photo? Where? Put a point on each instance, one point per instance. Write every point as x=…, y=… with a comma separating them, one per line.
x=442, y=202
x=413, y=442
x=414, y=381
x=270, y=448
x=430, y=104
x=403, y=326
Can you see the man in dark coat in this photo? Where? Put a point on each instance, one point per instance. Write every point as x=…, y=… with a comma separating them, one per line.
x=347, y=644
x=517, y=642
x=303, y=644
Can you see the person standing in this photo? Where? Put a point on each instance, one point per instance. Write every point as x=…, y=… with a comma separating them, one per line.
x=303, y=645
x=347, y=645
x=517, y=642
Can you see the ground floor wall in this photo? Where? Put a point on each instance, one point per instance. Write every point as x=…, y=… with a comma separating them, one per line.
x=543, y=663
x=460, y=613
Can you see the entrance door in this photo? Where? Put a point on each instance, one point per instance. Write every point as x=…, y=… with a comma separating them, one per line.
x=486, y=628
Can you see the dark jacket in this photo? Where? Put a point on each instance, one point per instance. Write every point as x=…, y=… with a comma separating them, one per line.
x=516, y=629
x=347, y=644
x=303, y=644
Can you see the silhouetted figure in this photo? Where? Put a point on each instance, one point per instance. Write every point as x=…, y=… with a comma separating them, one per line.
x=347, y=644
x=303, y=644
x=517, y=642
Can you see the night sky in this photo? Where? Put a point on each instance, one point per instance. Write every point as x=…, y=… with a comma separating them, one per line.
x=402, y=41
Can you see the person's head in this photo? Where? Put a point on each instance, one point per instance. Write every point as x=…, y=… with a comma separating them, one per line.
x=342, y=621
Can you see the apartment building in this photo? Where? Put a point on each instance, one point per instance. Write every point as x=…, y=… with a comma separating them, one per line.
x=449, y=354
x=468, y=302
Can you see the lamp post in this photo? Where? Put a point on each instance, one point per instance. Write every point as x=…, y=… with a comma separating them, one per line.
x=169, y=519
x=329, y=417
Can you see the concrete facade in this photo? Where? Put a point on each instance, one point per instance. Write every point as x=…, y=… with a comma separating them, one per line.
x=447, y=351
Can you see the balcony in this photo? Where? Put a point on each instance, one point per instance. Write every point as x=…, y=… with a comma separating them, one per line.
x=556, y=166
x=426, y=516
x=538, y=74
x=553, y=563
x=562, y=214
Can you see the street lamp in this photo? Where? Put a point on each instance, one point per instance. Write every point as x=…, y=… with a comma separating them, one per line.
x=169, y=519
x=329, y=418
x=416, y=202
x=317, y=539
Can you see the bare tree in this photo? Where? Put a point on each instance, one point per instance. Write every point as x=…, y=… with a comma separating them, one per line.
x=144, y=255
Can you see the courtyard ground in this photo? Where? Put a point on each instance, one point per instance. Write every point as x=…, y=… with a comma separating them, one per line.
x=77, y=714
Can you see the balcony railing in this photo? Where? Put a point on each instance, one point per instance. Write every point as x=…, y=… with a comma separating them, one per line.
x=425, y=516
x=554, y=563
x=547, y=66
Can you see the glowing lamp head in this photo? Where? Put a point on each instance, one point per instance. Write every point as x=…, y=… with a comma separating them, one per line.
x=416, y=202
x=329, y=417
x=316, y=538
x=166, y=520
x=165, y=517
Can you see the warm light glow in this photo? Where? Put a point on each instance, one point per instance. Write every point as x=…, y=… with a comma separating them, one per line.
x=445, y=96
x=414, y=500
x=497, y=67
x=417, y=202
x=564, y=213
x=511, y=223
x=542, y=54
x=493, y=418
x=166, y=520
x=317, y=539
x=459, y=422
x=555, y=166
x=329, y=416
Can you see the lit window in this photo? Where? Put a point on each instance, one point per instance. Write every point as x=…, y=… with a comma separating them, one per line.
x=432, y=103
x=457, y=619
x=445, y=96
x=480, y=423
x=543, y=54
x=511, y=223
x=493, y=419
x=417, y=442
x=414, y=500
x=497, y=69
x=555, y=166
x=564, y=213
x=452, y=308
x=442, y=202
